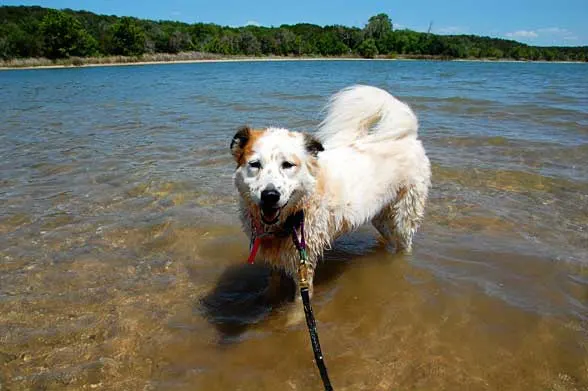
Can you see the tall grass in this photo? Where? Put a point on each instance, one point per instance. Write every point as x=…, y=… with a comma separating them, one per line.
x=82, y=61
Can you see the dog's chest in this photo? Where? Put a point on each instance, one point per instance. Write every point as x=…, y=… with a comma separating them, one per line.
x=279, y=252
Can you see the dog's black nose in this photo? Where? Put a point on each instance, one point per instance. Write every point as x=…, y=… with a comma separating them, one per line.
x=270, y=197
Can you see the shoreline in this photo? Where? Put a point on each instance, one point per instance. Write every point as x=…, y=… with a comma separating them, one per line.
x=128, y=61
x=193, y=61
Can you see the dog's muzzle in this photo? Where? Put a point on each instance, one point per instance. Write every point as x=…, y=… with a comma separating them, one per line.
x=270, y=210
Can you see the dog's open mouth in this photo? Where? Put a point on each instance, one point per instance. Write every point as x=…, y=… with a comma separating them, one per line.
x=270, y=215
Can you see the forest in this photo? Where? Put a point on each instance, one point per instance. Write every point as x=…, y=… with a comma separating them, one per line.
x=34, y=32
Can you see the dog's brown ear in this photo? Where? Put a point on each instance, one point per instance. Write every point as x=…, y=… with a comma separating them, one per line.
x=239, y=141
x=312, y=145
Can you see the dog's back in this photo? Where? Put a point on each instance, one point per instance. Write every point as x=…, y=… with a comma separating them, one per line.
x=375, y=168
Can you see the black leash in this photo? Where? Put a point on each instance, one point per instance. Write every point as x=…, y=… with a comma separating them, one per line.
x=304, y=292
x=314, y=340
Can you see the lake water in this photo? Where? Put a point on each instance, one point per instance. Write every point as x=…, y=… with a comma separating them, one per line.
x=122, y=263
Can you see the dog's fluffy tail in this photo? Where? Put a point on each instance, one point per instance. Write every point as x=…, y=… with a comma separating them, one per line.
x=363, y=111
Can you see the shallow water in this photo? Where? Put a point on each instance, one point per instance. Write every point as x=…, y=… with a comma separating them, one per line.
x=122, y=261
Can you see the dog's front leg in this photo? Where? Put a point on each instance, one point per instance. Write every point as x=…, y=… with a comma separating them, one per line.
x=274, y=285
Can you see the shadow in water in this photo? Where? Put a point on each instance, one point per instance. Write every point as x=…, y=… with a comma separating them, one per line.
x=241, y=298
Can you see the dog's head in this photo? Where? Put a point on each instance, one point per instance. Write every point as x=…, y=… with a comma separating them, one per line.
x=276, y=168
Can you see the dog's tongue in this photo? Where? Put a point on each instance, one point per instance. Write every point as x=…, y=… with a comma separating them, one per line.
x=269, y=215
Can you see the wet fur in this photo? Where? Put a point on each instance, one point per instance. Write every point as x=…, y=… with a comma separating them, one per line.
x=365, y=164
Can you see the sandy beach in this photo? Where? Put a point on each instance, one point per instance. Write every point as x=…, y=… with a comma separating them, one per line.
x=212, y=58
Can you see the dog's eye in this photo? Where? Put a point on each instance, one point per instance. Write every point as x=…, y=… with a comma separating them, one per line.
x=255, y=164
x=287, y=165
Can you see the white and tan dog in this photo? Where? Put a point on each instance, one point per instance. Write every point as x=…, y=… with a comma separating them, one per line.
x=366, y=165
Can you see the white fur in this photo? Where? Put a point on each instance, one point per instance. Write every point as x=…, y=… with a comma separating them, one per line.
x=353, y=110
x=274, y=148
x=373, y=169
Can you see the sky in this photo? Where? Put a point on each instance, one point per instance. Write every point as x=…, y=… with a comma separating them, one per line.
x=538, y=22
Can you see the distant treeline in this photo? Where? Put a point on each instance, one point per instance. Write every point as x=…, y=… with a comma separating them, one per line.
x=27, y=32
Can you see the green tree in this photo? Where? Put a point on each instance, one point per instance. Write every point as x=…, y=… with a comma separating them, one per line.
x=179, y=41
x=455, y=50
x=378, y=26
x=202, y=34
x=350, y=36
x=548, y=54
x=368, y=49
x=330, y=45
x=387, y=43
x=36, y=31
x=248, y=43
x=64, y=36
x=128, y=38
x=5, y=48
x=224, y=44
x=302, y=47
x=286, y=42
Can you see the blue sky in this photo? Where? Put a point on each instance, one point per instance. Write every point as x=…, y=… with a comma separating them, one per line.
x=538, y=22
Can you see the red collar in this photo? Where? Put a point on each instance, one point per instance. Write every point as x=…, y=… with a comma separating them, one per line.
x=257, y=234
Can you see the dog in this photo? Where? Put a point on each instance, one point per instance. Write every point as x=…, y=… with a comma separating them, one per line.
x=364, y=164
